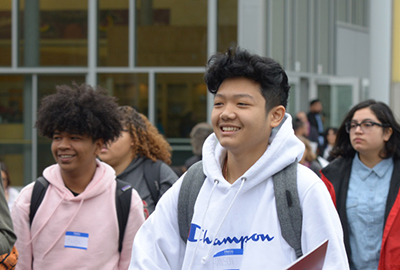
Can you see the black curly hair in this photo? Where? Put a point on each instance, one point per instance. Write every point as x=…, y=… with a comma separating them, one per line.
x=237, y=62
x=82, y=110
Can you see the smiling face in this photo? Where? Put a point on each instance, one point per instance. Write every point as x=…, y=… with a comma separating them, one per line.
x=372, y=142
x=75, y=154
x=239, y=117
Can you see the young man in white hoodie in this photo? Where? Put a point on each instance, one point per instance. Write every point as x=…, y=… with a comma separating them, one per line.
x=235, y=222
x=76, y=225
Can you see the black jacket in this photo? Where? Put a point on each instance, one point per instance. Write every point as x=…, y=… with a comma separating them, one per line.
x=337, y=173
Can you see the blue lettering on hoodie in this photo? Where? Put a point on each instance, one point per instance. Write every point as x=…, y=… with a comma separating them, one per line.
x=255, y=237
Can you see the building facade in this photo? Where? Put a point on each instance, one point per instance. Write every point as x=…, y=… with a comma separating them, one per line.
x=151, y=54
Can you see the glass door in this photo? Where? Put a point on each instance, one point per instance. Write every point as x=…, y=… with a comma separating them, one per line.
x=337, y=96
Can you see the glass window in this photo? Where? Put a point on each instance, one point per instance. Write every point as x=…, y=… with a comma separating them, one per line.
x=171, y=33
x=5, y=33
x=47, y=86
x=15, y=145
x=130, y=89
x=53, y=33
x=227, y=24
x=181, y=102
x=278, y=31
x=113, y=33
x=336, y=101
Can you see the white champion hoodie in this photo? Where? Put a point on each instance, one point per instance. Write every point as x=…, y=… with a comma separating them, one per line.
x=235, y=226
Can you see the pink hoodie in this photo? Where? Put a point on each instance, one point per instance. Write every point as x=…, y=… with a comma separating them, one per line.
x=71, y=232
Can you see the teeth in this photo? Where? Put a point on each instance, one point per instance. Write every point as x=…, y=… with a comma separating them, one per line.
x=230, y=129
x=65, y=156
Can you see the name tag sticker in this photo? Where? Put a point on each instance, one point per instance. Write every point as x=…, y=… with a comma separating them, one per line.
x=228, y=259
x=76, y=240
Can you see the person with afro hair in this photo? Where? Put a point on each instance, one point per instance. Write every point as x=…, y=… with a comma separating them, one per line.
x=76, y=226
x=139, y=148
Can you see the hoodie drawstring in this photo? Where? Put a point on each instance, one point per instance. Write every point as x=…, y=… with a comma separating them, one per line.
x=64, y=230
x=48, y=218
x=216, y=182
x=204, y=259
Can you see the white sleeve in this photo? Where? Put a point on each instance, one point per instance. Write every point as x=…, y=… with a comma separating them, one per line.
x=321, y=221
x=158, y=244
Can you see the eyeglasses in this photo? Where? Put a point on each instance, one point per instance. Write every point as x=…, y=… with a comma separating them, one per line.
x=366, y=126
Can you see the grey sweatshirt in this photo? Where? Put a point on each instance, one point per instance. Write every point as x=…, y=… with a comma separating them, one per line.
x=134, y=175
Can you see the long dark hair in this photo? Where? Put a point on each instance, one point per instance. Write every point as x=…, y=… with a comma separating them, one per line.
x=3, y=167
x=385, y=115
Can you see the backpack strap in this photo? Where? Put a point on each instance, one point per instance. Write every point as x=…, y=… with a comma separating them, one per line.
x=191, y=185
x=286, y=196
x=38, y=192
x=151, y=174
x=288, y=206
x=123, y=197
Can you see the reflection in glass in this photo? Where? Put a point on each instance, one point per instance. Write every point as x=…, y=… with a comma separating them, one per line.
x=5, y=33
x=13, y=143
x=113, y=33
x=227, y=24
x=171, y=33
x=336, y=101
x=181, y=103
x=129, y=89
x=53, y=33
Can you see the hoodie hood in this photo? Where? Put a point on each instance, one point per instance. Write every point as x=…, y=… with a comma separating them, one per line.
x=236, y=226
x=97, y=185
x=60, y=195
x=283, y=149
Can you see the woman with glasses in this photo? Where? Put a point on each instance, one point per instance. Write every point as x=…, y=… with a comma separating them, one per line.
x=364, y=182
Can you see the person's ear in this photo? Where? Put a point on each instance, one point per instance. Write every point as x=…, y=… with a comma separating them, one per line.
x=98, y=146
x=276, y=115
x=387, y=133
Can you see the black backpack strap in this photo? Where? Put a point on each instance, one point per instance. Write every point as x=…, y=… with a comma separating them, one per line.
x=38, y=192
x=123, y=197
x=191, y=185
x=152, y=176
x=288, y=206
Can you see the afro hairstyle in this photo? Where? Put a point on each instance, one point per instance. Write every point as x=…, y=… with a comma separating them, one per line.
x=79, y=109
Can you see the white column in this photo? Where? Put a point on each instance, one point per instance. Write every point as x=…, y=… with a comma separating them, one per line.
x=252, y=26
x=91, y=77
x=212, y=40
